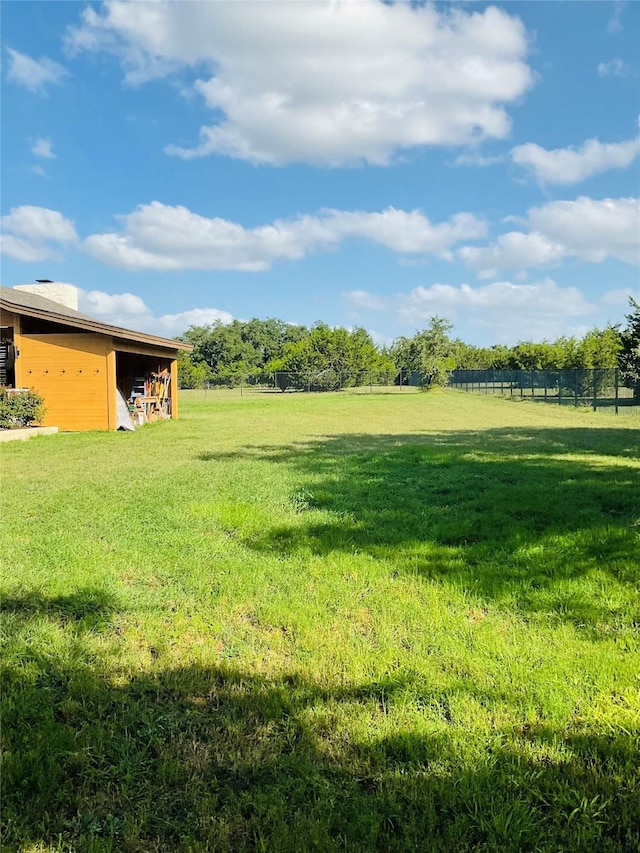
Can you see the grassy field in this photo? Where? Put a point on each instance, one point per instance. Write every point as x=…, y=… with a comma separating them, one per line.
x=402, y=622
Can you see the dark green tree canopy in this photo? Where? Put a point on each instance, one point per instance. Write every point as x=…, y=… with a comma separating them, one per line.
x=328, y=357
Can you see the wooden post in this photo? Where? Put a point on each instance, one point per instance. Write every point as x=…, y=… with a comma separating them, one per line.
x=112, y=391
x=173, y=388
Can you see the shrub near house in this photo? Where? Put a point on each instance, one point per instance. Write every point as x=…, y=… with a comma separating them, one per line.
x=20, y=408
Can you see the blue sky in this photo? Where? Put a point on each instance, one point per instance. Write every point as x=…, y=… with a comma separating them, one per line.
x=358, y=163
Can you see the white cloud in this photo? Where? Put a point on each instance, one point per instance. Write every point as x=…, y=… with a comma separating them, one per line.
x=615, y=21
x=102, y=304
x=130, y=312
x=365, y=300
x=34, y=74
x=586, y=229
x=514, y=250
x=162, y=237
x=43, y=148
x=511, y=312
x=29, y=229
x=327, y=83
x=592, y=230
x=39, y=223
x=617, y=297
x=614, y=68
x=570, y=165
x=24, y=250
x=408, y=231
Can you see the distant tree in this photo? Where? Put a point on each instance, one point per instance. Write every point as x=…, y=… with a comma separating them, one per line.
x=469, y=357
x=527, y=355
x=229, y=353
x=599, y=348
x=222, y=348
x=431, y=353
x=191, y=375
x=629, y=357
x=269, y=338
x=328, y=359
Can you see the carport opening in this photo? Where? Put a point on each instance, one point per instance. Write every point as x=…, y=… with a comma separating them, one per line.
x=145, y=382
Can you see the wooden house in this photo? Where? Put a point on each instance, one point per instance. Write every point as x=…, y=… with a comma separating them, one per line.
x=85, y=369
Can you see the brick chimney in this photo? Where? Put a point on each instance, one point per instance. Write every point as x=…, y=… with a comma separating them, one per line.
x=56, y=291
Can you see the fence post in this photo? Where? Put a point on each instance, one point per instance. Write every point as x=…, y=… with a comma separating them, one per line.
x=595, y=391
x=575, y=388
x=615, y=383
x=560, y=388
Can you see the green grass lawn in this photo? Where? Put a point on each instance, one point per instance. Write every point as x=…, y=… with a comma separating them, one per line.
x=386, y=622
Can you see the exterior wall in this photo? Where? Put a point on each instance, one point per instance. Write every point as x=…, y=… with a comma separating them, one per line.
x=77, y=373
x=71, y=373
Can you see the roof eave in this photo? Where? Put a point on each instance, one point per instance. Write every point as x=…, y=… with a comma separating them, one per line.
x=95, y=326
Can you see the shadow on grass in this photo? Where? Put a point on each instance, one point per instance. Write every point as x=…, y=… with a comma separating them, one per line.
x=94, y=605
x=218, y=759
x=545, y=521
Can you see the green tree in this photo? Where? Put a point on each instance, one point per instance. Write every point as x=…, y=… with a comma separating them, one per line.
x=222, y=348
x=269, y=338
x=328, y=359
x=599, y=348
x=430, y=354
x=191, y=375
x=629, y=357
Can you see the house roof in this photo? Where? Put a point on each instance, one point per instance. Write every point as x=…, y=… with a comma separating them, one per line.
x=31, y=305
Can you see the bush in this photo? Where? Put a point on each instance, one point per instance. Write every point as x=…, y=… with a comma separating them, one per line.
x=20, y=408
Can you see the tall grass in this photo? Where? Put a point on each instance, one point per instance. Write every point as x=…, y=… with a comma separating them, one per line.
x=347, y=622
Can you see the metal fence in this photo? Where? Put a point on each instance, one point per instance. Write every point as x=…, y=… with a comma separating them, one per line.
x=602, y=388
x=322, y=380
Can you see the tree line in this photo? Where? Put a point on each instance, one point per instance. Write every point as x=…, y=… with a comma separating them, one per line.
x=228, y=354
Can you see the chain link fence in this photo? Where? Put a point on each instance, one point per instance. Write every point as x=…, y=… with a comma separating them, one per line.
x=321, y=380
x=598, y=389
x=602, y=388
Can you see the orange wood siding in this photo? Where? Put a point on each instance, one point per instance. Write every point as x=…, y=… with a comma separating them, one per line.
x=70, y=371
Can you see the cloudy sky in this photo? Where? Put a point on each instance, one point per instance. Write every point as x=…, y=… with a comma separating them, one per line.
x=352, y=161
